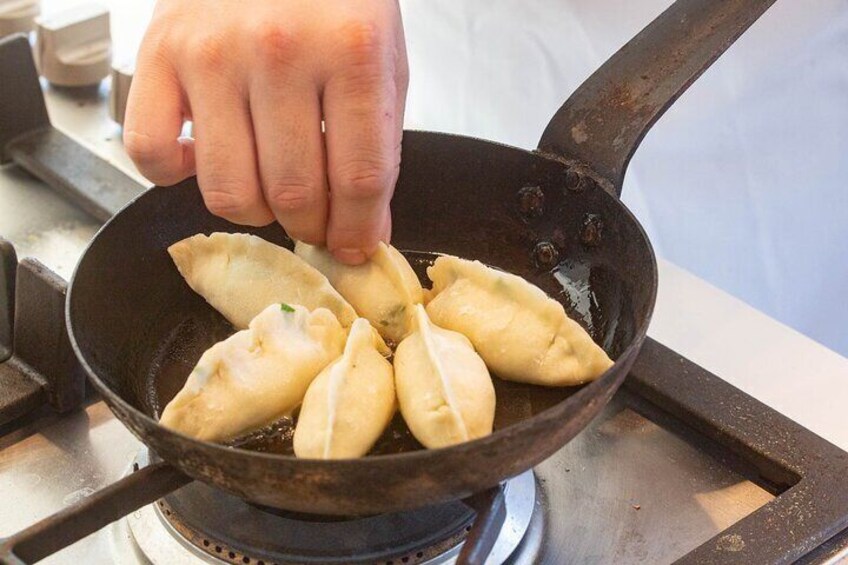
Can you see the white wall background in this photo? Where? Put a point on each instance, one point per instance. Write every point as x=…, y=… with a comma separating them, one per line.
x=743, y=182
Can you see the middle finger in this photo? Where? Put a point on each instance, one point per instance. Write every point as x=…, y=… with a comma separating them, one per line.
x=286, y=112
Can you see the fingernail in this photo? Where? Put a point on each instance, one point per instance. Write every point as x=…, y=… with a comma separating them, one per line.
x=350, y=255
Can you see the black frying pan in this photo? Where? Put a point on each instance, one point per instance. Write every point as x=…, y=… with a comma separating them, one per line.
x=138, y=328
x=552, y=215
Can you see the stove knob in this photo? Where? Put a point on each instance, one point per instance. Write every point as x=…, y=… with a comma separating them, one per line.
x=121, y=80
x=74, y=47
x=18, y=16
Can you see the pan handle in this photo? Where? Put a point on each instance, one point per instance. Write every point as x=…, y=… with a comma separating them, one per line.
x=605, y=119
x=89, y=515
x=491, y=513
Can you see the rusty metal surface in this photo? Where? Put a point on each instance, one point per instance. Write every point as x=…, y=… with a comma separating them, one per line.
x=42, y=367
x=832, y=552
x=605, y=119
x=27, y=138
x=805, y=471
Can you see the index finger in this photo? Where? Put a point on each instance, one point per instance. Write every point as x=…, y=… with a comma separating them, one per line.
x=154, y=120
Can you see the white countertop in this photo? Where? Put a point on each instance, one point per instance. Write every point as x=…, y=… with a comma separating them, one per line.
x=770, y=361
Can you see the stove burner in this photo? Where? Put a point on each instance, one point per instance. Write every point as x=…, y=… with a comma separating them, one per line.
x=228, y=528
x=199, y=523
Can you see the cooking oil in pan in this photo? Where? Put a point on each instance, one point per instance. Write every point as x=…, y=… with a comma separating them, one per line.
x=596, y=298
x=277, y=438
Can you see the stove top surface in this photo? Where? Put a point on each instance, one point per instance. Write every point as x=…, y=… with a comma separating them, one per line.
x=625, y=490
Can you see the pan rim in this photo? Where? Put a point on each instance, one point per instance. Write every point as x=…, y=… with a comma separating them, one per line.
x=551, y=413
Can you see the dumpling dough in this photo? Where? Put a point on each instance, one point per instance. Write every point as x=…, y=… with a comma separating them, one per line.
x=521, y=333
x=240, y=274
x=255, y=376
x=444, y=390
x=382, y=290
x=349, y=405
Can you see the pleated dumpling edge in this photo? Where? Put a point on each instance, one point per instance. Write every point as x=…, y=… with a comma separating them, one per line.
x=256, y=376
x=383, y=289
x=240, y=274
x=521, y=333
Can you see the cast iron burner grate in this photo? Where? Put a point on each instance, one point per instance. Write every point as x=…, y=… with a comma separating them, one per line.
x=235, y=531
x=205, y=519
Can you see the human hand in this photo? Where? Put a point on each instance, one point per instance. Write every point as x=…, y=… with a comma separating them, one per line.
x=257, y=79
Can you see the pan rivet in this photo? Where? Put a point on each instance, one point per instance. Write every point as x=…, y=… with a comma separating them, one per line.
x=572, y=181
x=531, y=202
x=592, y=230
x=545, y=254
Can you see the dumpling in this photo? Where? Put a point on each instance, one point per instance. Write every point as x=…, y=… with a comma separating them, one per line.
x=257, y=375
x=241, y=274
x=521, y=333
x=444, y=390
x=349, y=405
x=382, y=290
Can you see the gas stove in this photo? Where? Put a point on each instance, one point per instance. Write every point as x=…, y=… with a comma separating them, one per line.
x=680, y=465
